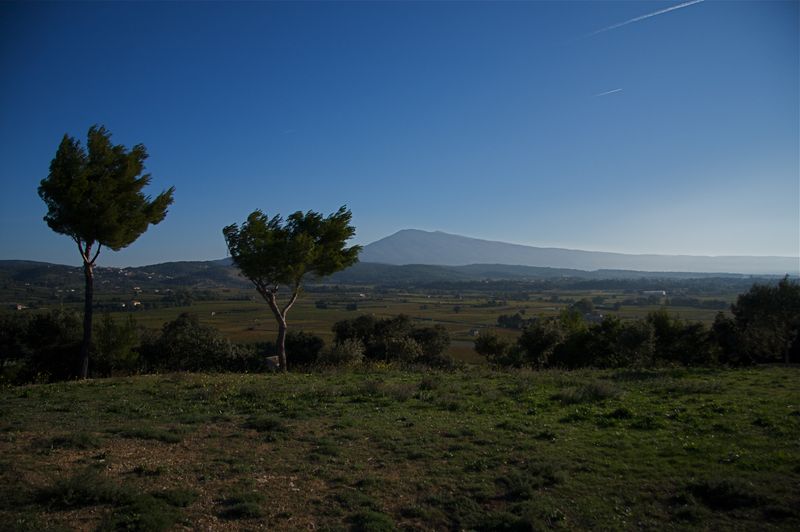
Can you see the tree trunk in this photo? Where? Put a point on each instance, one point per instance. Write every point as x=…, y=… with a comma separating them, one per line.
x=281, y=344
x=88, y=273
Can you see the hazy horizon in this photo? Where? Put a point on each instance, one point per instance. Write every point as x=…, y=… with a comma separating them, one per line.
x=662, y=127
x=746, y=266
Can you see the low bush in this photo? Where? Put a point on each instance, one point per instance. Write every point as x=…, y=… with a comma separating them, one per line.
x=242, y=505
x=395, y=340
x=593, y=392
x=348, y=352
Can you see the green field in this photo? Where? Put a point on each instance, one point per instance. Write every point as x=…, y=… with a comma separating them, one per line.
x=381, y=449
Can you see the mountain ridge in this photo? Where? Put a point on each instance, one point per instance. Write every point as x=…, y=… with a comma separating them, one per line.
x=414, y=246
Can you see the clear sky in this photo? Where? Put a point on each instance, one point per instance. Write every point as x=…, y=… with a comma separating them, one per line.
x=586, y=125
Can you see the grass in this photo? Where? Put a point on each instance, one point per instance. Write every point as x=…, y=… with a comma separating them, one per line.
x=380, y=449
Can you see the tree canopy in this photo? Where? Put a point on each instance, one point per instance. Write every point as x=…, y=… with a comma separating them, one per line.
x=95, y=195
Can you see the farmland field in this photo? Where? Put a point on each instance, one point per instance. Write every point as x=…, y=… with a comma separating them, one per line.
x=381, y=449
x=243, y=317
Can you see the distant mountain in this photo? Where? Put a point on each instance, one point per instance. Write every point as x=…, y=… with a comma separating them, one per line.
x=412, y=246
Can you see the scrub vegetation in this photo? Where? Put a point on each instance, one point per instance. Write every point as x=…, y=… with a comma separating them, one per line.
x=378, y=448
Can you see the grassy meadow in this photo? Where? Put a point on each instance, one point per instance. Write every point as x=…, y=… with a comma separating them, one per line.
x=382, y=449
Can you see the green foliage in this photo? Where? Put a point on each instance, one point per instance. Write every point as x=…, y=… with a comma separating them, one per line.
x=271, y=253
x=52, y=346
x=371, y=521
x=583, y=306
x=567, y=341
x=767, y=319
x=396, y=339
x=116, y=346
x=143, y=513
x=84, y=488
x=680, y=342
x=725, y=336
x=593, y=392
x=186, y=345
x=538, y=342
x=497, y=351
x=513, y=321
x=94, y=195
x=433, y=343
x=303, y=348
x=13, y=337
x=348, y=352
x=242, y=504
x=179, y=498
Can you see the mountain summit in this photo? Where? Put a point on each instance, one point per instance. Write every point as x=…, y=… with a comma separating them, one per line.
x=412, y=246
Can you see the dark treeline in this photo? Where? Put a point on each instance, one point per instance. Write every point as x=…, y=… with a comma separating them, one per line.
x=764, y=328
x=46, y=347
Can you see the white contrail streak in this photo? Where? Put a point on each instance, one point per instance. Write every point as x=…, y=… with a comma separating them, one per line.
x=642, y=17
x=607, y=92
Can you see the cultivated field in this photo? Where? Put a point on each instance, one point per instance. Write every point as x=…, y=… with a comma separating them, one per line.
x=243, y=317
x=380, y=449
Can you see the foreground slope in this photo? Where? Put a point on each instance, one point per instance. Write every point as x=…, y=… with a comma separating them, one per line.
x=382, y=449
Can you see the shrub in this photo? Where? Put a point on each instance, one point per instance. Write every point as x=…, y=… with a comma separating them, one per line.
x=433, y=343
x=242, y=505
x=497, y=351
x=677, y=341
x=593, y=392
x=402, y=348
x=186, y=345
x=13, y=337
x=52, y=343
x=303, y=349
x=768, y=322
x=349, y=352
x=539, y=341
x=396, y=339
x=116, y=346
x=85, y=488
x=142, y=512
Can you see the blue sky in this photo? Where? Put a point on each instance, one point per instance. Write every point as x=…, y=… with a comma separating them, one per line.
x=481, y=119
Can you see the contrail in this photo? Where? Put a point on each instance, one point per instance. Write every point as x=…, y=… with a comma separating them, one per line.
x=607, y=92
x=653, y=14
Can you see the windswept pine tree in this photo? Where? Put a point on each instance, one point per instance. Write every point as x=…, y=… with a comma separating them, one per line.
x=94, y=196
x=273, y=254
